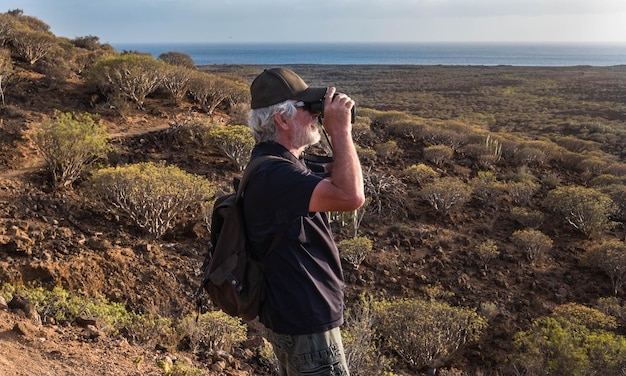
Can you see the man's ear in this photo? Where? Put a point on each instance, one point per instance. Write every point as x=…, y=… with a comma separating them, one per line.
x=281, y=121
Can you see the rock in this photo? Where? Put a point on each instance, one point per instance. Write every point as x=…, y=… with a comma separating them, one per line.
x=85, y=321
x=27, y=307
x=23, y=328
x=92, y=332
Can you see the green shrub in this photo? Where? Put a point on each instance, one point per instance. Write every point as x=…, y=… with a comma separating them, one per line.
x=426, y=334
x=210, y=91
x=111, y=317
x=572, y=341
x=521, y=192
x=487, y=251
x=128, y=76
x=438, y=154
x=70, y=143
x=586, y=209
x=446, y=194
x=533, y=242
x=235, y=141
x=527, y=217
x=354, y=250
x=151, y=195
x=488, y=188
x=388, y=151
x=213, y=331
x=176, y=81
x=420, y=174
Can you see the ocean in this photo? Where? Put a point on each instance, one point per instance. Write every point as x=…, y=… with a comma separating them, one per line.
x=481, y=54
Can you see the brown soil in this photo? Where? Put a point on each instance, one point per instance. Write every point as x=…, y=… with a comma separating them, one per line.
x=68, y=242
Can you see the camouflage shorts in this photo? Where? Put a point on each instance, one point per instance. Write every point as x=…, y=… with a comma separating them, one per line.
x=319, y=354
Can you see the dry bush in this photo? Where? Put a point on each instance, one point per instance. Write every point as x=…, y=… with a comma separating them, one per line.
x=534, y=243
x=426, y=334
x=152, y=195
x=529, y=156
x=446, y=194
x=358, y=334
x=210, y=91
x=610, y=257
x=178, y=59
x=488, y=188
x=586, y=209
x=487, y=251
x=576, y=145
x=438, y=154
x=213, y=331
x=362, y=133
x=388, y=195
x=528, y=218
x=388, y=151
x=617, y=169
x=592, y=165
x=522, y=192
x=367, y=156
x=176, y=81
x=412, y=130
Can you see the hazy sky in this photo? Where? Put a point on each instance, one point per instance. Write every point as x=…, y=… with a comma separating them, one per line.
x=134, y=21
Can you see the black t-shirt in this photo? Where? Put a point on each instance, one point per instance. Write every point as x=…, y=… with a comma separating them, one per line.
x=304, y=279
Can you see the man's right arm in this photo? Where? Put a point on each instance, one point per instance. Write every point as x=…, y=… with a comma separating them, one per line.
x=343, y=190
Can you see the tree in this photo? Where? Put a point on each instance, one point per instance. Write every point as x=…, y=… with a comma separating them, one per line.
x=179, y=59
x=6, y=71
x=610, y=257
x=209, y=90
x=131, y=76
x=89, y=42
x=7, y=25
x=176, y=81
x=70, y=143
x=152, y=195
x=586, y=209
x=32, y=45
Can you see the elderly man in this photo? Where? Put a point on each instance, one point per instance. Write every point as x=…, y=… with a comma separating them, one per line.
x=285, y=205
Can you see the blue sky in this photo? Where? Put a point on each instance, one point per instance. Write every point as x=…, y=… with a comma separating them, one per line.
x=141, y=21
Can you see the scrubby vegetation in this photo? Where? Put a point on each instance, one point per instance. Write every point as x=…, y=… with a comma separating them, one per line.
x=492, y=241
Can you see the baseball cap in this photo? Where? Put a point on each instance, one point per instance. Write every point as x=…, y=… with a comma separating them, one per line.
x=277, y=85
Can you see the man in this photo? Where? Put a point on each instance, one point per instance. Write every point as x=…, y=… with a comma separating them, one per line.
x=285, y=203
